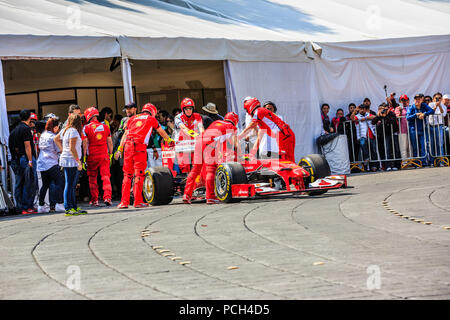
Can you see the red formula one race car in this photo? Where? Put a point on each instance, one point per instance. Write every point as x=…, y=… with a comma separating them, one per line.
x=251, y=178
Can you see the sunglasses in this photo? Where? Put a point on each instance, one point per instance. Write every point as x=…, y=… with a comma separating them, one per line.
x=169, y=121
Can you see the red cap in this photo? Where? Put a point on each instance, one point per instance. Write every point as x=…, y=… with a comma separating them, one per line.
x=404, y=97
x=34, y=116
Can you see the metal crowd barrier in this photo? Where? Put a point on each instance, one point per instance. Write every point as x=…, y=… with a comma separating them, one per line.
x=408, y=147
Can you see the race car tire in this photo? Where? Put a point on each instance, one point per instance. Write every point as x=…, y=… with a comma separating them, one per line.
x=158, y=186
x=318, y=167
x=228, y=174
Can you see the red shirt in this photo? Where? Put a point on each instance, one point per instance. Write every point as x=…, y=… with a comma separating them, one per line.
x=97, y=133
x=190, y=122
x=218, y=132
x=268, y=121
x=140, y=128
x=216, y=139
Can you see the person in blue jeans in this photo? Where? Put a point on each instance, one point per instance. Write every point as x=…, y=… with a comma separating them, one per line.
x=23, y=163
x=69, y=141
x=416, y=116
x=47, y=165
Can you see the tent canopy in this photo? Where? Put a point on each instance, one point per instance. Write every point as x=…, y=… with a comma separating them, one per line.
x=246, y=30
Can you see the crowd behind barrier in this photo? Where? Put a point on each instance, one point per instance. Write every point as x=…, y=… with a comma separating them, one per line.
x=398, y=136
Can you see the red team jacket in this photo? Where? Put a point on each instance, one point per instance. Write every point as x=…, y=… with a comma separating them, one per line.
x=96, y=133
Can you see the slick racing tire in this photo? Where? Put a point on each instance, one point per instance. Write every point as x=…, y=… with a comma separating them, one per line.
x=228, y=174
x=158, y=186
x=318, y=168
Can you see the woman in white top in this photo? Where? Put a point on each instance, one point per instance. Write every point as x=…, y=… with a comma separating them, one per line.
x=69, y=141
x=47, y=165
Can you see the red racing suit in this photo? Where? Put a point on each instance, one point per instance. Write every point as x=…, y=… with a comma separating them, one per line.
x=211, y=148
x=277, y=128
x=192, y=122
x=139, y=130
x=98, y=158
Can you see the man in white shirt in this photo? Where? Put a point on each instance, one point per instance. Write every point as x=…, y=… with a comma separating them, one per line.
x=365, y=132
x=436, y=125
x=268, y=146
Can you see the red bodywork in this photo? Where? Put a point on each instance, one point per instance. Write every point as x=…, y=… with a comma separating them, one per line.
x=293, y=176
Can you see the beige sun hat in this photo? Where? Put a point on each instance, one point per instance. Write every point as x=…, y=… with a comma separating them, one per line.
x=210, y=108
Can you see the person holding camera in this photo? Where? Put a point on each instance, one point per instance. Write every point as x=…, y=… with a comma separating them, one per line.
x=386, y=127
x=365, y=131
x=50, y=171
x=436, y=123
x=350, y=131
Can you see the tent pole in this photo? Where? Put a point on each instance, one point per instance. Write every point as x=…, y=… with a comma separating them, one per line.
x=4, y=132
x=126, y=78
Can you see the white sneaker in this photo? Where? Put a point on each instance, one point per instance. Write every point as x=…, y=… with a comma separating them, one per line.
x=394, y=169
x=388, y=169
x=43, y=209
x=60, y=207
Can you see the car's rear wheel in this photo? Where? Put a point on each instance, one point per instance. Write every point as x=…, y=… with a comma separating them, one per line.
x=318, y=168
x=228, y=174
x=158, y=186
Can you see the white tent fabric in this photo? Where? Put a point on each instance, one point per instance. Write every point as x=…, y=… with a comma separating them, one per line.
x=246, y=30
x=290, y=85
x=4, y=127
x=4, y=131
x=341, y=82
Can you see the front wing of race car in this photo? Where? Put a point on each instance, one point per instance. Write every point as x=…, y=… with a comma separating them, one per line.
x=251, y=190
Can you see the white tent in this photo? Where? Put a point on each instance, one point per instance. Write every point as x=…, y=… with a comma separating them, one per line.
x=295, y=53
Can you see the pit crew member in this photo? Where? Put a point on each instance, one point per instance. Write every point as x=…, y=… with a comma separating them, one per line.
x=136, y=137
x=189, y=125
x=273, y=126
x=97, y=146
x=210, y=149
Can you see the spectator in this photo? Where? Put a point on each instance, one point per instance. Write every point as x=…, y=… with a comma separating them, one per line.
x=211, y=114
x=162, y=117
x=69, y=141
x=436, y=125
x=367, y=103
x=386, y=125
x=350, y=131
x=73, y=109
x=416, y=117
x=326, y=123
x=400, y=113
x=23, y=163
x=117, y=176
x=338, y=121
x=176, y=112
x=446, y=103
x=366, y=136
x=154, y=144
x=115, y=123
x=392, y=103
x=427, y=100
x=170, y=122
x=106, y=116
x=47, y=165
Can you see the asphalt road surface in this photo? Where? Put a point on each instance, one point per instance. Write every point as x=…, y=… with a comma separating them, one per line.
x=384, y=239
